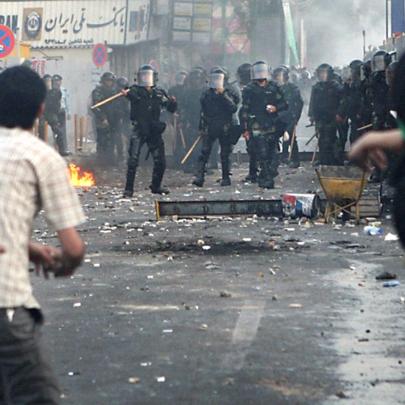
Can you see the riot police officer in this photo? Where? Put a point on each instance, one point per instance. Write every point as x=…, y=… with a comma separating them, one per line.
x=122, y=132
x=379, y=89
x=264, y=120
x=323, y=110
x=105, y=117
x=295, y=102
x=243, y=74
x=178, y=92
x=218, y=104
x=42, y=120
x=195, y=84
x=147, y=100
x=55, y=114
x=367, y=101
x=352, y=100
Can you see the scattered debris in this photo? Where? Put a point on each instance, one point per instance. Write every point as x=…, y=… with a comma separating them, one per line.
x=341, y=395
x=295, y=305
x=373, y=230
x=386, y=276
x=391, y=284
x=391, y=237
x=73, y=373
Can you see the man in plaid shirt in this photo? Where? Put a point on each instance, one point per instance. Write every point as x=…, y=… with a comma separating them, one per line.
x=33, y=178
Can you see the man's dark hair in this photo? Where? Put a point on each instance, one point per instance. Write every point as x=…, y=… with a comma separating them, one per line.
x=398, y=89
x=398, y=175
x=22, y=92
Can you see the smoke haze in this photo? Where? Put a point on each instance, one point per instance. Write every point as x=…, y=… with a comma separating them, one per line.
x=334, y=29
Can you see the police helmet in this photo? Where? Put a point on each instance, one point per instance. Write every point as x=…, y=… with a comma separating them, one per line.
x=217, y=78
x=325, y=67
x=244, y=73
x=146, y=76
x=380, y=61
x=107, y=76
x=180, y=77
x=122, y=82
x=281, y=71
x=260, y=70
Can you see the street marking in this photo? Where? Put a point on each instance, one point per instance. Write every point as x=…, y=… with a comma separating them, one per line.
x=244, y=333
x=248, y=322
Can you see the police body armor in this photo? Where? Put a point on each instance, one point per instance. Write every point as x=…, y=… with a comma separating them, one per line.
x=256, y=99
x=380, y=99
x=218, y=109
x=325, y=101
x=108, y=111
x=146, y=107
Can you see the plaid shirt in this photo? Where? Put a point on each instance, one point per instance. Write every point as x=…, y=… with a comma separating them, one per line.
x=32, y=177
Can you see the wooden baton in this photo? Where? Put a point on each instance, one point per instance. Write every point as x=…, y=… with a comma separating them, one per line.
x=106, y=101
x=292, y=143
x=365, y=127
x=191, y=150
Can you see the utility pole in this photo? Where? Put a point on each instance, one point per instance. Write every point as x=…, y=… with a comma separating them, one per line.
x=364, y=43
x=387, y=22
x=224, y=30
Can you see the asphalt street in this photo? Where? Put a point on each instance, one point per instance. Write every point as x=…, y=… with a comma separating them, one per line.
x=224, y=310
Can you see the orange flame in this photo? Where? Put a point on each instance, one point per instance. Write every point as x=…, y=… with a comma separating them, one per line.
x=77, y=179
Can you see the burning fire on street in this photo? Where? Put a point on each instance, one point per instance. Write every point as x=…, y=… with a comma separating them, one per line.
x=79, y=178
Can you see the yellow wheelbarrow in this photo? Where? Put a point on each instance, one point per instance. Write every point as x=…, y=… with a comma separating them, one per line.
x=343, y=187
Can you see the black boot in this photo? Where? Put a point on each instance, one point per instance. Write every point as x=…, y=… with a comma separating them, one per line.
x=159, y=189
x=200, y=175
x=129, y=185
x=225, y=162
x=252, y=177
x=266, y=180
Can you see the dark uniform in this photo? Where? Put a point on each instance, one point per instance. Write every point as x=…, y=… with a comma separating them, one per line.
x=146, y=104
x=352, y=101
x=380, y=98
x=217, y=110
x=106, y=117
x=195, y=84
x=265, y=128
x=178, y=91
x=122, y=132
x=42, y=124
x=55, y=115
x=323, y=109
x=366, y=111
x=292, y=95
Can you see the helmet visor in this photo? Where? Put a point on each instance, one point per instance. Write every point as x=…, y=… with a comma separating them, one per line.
x=323, y=75
x=217, y=81
x=379, y=63
x=260, y=71
x=145, y=78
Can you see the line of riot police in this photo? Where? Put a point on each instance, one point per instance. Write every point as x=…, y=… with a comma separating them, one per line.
x=343, y=107
x=262, y=106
